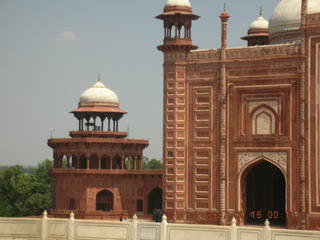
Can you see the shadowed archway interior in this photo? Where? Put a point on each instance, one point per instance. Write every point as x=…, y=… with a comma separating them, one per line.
x=104, y=201
x=155, y=200
x=265, y=195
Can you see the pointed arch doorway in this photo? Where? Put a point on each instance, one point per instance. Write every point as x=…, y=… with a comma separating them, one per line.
x=264, y=194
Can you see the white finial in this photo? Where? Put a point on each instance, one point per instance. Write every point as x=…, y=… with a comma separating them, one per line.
x=72, y=216
x=135, y=217
x=267, y=223
x=45, y=214
x=233, y=222
x=164, y=218
x=224, y=7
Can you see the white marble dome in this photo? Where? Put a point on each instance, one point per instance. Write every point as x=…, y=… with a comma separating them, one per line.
x=184, y=3
x=259, y=23
x=99, y=93
x=287, y=15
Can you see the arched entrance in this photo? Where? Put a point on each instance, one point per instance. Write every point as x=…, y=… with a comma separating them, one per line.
x=104, y=201
x=264, y=194
x=155, y=200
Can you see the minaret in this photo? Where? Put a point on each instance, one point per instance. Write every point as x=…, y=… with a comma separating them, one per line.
x=303, y=105
x=224, y=16
x=177, y=19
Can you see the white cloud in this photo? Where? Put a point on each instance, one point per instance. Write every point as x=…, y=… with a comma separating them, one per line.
x=66, y=37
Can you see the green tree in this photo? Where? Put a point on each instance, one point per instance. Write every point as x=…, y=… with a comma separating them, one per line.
x=151, y=163
x=40, y=197
x=23, y=194
x=14, y=187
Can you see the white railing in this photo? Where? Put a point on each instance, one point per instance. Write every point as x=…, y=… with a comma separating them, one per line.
x=71, y=229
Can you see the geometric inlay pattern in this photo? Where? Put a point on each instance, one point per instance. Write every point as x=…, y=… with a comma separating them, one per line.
x=280, y=158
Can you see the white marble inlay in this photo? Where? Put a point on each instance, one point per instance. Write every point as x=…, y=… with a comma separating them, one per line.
x=279, y=158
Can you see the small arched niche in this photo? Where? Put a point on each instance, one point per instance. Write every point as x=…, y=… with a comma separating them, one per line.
x=263, y=121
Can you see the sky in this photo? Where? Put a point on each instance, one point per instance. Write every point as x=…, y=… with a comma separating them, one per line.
x=51, y=51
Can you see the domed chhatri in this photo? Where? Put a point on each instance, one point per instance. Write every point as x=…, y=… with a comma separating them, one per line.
x=258, y=33
x=184, y=3
x=99, y=93
x=286, y=20
x=259, y=23
x=98, y=101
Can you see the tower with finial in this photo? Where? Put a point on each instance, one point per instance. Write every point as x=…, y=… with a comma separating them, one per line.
x=224, y=16
x=177, y=19
x=177, y=45
x=93, y=167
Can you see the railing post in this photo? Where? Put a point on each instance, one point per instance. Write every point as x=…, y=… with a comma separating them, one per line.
x=267, y=230
x=44, y=225
x=233, y=229
x=134, y=232
x=163, y=228
x=71, y=227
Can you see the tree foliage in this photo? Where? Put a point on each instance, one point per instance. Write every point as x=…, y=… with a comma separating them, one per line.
x=25, y=194
x=151, y=163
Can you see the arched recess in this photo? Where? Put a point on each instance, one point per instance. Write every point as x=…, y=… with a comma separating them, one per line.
x=264, y=121
x=83, y=162
x=94, y=162
x=117, y=162
x=104, y=201
x=105, y=162
x=155, y=200
x=74, y=161
x=263, y=193
x=126, y=162
x=64, y=161
x=98, y=124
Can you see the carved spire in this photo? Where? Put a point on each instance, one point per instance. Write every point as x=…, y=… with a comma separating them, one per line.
x=224, y=16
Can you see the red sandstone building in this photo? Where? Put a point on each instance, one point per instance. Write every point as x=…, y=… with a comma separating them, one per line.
x=241, y=125
x=241, y=130
x=98, y=171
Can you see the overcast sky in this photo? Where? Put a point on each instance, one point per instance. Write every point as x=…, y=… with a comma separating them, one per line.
x=51, y=51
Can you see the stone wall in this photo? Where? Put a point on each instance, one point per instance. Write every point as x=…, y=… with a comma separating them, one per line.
x=63, y=229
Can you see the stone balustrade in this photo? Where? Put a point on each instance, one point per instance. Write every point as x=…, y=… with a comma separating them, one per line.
x=134, y=229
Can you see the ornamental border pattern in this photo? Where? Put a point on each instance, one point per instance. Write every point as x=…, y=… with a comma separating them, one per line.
x=279, y=158
x=235, y=53
x=264, y=51
x=313, y=19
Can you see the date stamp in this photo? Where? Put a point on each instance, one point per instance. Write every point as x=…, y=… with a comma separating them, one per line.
x=272, y=215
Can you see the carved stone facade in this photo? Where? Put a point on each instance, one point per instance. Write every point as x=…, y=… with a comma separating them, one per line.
x=238, y=108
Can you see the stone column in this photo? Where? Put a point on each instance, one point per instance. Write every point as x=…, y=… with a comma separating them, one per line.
x=99, y=161
x=88, y=161
x=135, y=163
x=223, y=116
x=302, y=103
x=163, y=228
x=44, y=225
